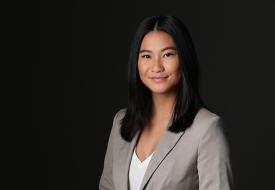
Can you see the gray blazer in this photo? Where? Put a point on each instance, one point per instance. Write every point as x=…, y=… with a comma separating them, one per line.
x=195, y=159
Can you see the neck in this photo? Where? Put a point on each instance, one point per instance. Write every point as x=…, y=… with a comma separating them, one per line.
x=162, y=106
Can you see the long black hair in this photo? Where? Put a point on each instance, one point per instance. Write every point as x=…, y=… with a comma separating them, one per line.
x=188, y=100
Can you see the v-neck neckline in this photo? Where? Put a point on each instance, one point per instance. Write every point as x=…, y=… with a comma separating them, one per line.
x=145, y=160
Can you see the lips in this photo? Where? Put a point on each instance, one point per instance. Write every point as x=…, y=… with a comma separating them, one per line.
x=159, y=78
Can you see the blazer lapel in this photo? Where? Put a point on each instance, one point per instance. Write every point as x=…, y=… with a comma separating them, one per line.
x=165, y=146
x=167, y=142
x=124, y=160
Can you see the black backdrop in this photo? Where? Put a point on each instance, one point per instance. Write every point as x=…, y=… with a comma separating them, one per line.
x=71, y=72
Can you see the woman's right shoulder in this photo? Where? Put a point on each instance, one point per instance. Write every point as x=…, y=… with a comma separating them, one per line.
x=120, y=113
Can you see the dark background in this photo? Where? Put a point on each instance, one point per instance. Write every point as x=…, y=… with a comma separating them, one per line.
x=69, y=60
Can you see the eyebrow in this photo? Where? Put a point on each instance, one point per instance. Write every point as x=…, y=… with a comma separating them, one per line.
x=166, y=48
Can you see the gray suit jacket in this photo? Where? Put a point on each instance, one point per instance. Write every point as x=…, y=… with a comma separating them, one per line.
x=195, y=159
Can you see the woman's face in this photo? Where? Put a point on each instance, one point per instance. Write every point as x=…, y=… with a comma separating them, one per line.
x=158, y=63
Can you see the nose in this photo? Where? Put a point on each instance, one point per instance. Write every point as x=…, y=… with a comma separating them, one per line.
x=157, y=66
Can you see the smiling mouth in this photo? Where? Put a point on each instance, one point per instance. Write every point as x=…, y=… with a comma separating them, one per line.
x=159, y=79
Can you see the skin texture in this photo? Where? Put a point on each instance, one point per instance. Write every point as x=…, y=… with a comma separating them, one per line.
x=158, y=57
x=158, y=67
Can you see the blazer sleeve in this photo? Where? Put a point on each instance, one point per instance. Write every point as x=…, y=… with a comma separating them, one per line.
x=214, y=168
x=106, y=179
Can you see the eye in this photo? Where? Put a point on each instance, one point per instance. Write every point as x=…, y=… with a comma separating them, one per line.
x=146, y=56
x=169, y=54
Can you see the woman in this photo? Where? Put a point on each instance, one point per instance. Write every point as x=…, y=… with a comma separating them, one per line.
x=166, y=139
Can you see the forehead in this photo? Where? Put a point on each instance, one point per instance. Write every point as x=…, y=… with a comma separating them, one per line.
x=156, y=40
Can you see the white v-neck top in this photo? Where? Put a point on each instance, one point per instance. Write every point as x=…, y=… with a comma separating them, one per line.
x=137, y=170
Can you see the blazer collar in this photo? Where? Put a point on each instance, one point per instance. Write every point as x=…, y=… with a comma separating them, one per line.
x=167, y=142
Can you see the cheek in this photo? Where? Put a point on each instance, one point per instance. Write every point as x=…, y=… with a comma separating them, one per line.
x=173, y=67
x=141, y=68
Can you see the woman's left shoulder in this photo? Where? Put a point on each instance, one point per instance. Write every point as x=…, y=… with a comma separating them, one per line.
x=206, y=120
x=205, y=114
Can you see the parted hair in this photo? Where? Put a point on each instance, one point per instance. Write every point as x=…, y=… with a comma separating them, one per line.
x=188, y=100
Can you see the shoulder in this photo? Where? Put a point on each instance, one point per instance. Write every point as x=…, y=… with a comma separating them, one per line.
x=210, y=131
x=206, y=122
x=205, y=117
x=119, y=115
x=204, y=114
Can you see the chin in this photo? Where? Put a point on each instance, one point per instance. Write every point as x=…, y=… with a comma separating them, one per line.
x=160, y=90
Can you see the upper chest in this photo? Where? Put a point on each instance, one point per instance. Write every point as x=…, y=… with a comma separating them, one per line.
x=147, y=142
